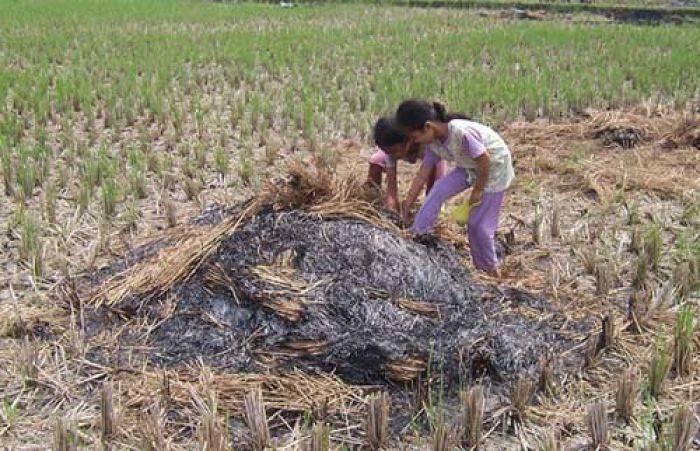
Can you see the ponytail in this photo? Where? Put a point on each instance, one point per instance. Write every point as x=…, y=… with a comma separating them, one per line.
x=440, y=112
x=443, y=116
x=413, y=114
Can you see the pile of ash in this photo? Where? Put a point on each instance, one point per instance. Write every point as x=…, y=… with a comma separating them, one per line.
x=290, y=289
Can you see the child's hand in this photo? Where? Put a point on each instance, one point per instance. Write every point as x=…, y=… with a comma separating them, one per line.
x=405, y=212
x=475, y=197
x=391, y=204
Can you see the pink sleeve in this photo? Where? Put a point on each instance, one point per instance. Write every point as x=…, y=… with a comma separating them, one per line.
x=473, y=145
x=430, y=159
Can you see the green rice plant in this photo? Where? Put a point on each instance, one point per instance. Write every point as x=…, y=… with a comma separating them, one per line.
x=85, y=191
x=651, y=438
x=137, y=183
x=221, y=161
x=26, y=174
x=49, y=203
x=137, y=160
x=30, y=249
x=691, y=212
x=653, y=244
x=110, y=195
x=687, y=246
x=131, y=216
x=7, y=171
x=90, y=170
x=154, y=163
x=245, y=167
x=632, y=210
x=659, y=367
x=10, y=411
x=683, y=345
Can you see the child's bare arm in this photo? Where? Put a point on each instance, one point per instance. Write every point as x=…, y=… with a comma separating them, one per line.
x=391, y=199
x=482, y=175
x=417, y=185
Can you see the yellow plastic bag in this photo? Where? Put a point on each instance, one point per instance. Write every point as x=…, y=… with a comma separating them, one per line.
x=460, y=213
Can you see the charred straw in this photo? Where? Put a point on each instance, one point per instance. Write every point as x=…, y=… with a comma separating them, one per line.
x=636, y=311
x=538, y=226
x=521, y=396
x=550, y=442
x=154, y=428
x=608, y=333
x=626, y=395
x=377, y=421
x=472, y=417
x=685, y=427
x=320, y=438
x=442, y=434
x=64, y=436
x=545, y=381
x=597, y=422
x=590, y=353
x=256, y=419
x=556, y=218
x=604, y=278
x=107, y=413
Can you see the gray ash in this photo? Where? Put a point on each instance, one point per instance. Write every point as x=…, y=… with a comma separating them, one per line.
x=351, y=319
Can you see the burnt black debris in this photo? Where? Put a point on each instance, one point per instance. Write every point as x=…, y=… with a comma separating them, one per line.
x=364, y=302
x=625, y=137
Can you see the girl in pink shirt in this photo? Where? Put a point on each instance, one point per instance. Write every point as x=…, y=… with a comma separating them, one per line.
x=392, y=146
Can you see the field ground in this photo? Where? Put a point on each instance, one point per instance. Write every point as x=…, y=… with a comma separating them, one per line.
x=122, y=120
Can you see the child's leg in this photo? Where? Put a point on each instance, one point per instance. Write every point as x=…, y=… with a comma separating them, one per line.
x=483, y=222
x=436, y=174
x=450, y=185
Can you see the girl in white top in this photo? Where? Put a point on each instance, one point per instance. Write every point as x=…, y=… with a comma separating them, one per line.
x=481, y=159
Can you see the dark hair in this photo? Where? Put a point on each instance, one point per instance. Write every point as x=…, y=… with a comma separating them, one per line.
x=387, y=133
x=413, y=114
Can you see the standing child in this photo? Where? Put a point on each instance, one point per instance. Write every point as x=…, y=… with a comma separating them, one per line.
x=482, y=161
x=393, y=145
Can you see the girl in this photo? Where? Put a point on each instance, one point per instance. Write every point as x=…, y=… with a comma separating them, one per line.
x=482, y=159
x=393, y=145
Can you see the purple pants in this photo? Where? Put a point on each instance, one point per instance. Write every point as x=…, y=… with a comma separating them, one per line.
x=483, y=220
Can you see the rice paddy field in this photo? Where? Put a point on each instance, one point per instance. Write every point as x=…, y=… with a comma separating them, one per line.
x=121, y=121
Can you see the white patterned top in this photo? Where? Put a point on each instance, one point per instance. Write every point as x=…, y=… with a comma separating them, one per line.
x=466, y=141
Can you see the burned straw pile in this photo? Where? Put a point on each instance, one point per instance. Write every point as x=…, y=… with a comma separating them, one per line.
x=310, y=276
